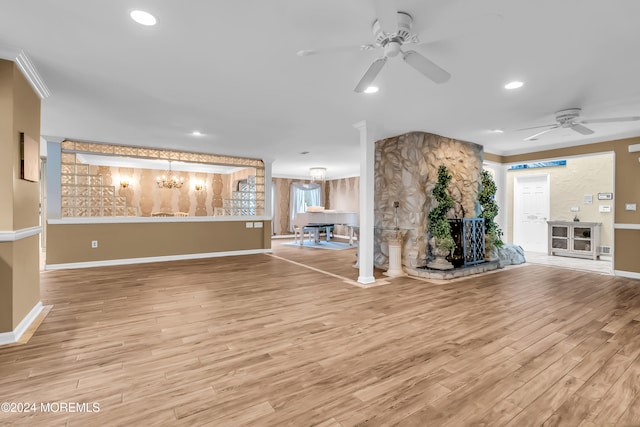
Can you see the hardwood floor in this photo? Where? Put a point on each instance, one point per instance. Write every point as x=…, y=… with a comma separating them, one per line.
x=261, y=341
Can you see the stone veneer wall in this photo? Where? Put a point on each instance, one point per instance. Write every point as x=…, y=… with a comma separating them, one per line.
x=406, y=168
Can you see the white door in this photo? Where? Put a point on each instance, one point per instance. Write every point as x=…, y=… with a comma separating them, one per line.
x=531, y=212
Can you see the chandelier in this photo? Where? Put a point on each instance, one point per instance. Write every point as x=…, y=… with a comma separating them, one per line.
x=318, y=174
x=169, y=180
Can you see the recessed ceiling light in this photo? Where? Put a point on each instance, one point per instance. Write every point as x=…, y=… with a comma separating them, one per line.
x=497, y=131
x=371, y=89
x=513, y=85
x=142, y=17
x=196, y=133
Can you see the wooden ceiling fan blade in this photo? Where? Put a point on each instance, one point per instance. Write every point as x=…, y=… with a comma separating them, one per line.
x=371, y=74
x=426, y=67
x=535, y=136
x=581, y=129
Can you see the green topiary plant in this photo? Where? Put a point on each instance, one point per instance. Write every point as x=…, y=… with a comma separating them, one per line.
x=486, y=198
x=438, y=221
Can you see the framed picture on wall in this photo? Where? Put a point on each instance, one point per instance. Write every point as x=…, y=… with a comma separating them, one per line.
x=29, y=158
x=605, y=196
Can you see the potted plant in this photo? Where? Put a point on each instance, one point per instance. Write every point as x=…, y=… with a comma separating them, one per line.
x=486, y=198
x=442, y=243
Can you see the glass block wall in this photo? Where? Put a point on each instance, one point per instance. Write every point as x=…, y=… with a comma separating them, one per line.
x=248, y=199
x=84, y=195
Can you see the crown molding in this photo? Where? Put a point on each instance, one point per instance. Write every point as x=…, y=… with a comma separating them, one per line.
x=27, y=68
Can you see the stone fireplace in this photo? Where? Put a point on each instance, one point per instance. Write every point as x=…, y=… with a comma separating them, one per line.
x=406, y=169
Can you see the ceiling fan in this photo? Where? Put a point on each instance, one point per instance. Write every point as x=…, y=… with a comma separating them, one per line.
x=570, y=119
x=392, y=30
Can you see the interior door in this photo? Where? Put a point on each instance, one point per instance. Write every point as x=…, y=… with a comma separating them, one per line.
x=531, y=212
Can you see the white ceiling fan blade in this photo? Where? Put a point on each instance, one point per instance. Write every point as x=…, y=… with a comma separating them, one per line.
x=426, y=67
x=387, y=15
x=334, y=49
x=535, y=136
x=535, y=127
x=581, y=129
x=612, y=120
x=371, y=74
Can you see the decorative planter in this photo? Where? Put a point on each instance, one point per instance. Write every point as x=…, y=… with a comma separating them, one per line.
x=439, y=262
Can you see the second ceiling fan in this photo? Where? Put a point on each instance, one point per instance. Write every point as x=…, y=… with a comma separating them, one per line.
x=570, y=119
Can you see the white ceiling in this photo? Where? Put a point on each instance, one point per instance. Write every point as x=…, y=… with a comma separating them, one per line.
x=229, y=69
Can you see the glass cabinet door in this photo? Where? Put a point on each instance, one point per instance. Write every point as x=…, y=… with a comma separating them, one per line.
x=559, y=243
x=582, y=239
x=559, y=231
x=582, y=233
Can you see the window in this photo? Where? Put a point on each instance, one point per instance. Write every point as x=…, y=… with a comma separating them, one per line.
x=303, y=196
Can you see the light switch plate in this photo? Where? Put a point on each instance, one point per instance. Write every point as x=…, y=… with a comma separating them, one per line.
x=604, y=208
x=629, y=206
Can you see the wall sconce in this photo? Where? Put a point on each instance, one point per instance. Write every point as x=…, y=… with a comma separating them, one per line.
x=199, y=186
x=125, y=183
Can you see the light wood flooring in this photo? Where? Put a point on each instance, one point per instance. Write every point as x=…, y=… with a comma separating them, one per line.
x=262, y=341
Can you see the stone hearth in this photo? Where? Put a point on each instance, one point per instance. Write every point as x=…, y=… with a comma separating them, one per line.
x=456, y=273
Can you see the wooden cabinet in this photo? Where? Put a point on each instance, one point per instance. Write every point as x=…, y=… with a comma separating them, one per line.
x=574, y=239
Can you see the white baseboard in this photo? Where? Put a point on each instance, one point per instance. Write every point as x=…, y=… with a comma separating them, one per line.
x=627, y=274
x=16, y=334
x=127, y=261
x=283, y=236
x=341, y=236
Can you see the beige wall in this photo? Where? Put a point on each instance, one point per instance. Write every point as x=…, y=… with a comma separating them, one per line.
x=6, y=145
x=26, y=273
x=627, y=257
x=71, y=243
x=627, y=177
x=6, y=287
x=19, y=266
x=343, y=195
x=588, y=175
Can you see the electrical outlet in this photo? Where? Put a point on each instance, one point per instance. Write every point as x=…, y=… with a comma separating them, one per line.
x=257, y=225
x=94, y=244
x=629, y=206
x=248, y=224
